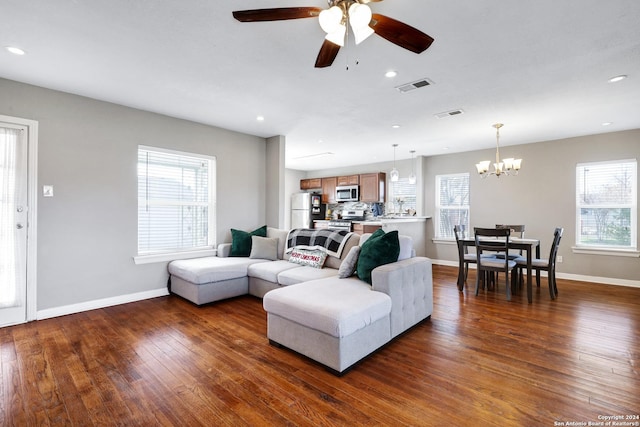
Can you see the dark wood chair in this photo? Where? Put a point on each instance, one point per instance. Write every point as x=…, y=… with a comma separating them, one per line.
x=548, y=264
x=496, y=242
x=463, y=251
x=516, y=229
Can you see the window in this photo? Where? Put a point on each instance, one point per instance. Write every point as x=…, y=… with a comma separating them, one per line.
x=176, y=201
x=452, y=203
x=606, y=204
x=404, y=192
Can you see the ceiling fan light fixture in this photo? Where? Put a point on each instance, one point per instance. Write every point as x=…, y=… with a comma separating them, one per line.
x=337, y=36
x=359, y=18
x=361, y=34
x=330, y=19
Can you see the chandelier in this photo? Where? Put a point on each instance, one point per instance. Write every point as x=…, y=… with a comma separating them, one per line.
x=334, y=21
x=508, y=166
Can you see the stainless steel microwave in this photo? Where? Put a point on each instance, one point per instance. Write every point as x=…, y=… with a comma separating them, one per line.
x=348, y=193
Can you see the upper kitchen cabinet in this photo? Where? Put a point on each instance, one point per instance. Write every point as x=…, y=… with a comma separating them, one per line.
x=310, y=184
x=372, y=187
x=329, y=189
x=348, y=180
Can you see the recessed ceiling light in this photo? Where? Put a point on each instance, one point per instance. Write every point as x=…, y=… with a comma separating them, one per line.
x=390, y=74
x=607, y=124
x=395, y=126
x=260, y=118
x=617, y=78
x=15, y=50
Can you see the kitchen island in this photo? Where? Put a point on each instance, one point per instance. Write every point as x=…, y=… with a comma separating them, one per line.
x=413, y=226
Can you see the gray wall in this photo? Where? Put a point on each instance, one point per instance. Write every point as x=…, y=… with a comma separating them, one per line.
x=87, y=233
x=542, y=196
x=275, y=181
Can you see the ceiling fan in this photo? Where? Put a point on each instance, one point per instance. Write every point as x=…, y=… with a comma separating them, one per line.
x=334, y=22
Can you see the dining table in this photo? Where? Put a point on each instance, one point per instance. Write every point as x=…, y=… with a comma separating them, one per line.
x=522, y=244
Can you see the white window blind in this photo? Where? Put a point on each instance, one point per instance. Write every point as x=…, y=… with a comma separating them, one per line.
x=403, y=191
x=606, y=204
x=452, y=203
x=176, y=203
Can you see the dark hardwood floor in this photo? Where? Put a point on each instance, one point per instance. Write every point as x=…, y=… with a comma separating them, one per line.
x=478, y=361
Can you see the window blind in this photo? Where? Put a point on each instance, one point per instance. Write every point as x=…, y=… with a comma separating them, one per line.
x=606, y=204
x=403, y=190
x=175, y=201
x=452, y=203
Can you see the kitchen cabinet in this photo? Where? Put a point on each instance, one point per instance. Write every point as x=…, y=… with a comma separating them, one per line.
x=349, y=180
x=362, y=228
x=329, y=189
x=310, y=184
x=372, y=187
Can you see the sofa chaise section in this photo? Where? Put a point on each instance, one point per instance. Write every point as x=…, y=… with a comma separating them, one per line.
x=207, y=279
x=337, y=322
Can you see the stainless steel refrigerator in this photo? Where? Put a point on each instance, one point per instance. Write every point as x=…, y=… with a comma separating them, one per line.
x=305, y=207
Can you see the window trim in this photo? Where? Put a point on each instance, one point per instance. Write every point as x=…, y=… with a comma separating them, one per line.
x=171, y=256
x=210, y=248
x=612, y=250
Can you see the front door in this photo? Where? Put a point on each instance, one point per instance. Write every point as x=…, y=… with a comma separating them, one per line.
x=13, y=223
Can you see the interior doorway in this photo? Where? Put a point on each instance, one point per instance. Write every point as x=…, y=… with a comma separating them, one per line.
x=18, y=197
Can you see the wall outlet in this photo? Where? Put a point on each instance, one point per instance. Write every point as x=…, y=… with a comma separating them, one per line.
x=559, y=258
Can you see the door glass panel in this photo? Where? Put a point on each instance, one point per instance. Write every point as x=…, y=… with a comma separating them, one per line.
x=13, y=224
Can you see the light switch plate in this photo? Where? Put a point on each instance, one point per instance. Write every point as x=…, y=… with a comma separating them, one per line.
x=47, y=191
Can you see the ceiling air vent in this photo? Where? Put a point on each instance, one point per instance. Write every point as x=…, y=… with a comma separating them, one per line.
x=408, y=87
x=449, y=114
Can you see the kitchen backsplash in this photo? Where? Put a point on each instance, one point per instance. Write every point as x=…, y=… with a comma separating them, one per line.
x=370, y=209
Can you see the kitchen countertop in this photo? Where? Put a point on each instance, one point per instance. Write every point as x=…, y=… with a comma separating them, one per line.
x=386, y=220
x=389, y=220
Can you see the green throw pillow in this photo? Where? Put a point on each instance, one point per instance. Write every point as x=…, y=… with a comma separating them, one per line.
x=241, y=240
x=381, y=248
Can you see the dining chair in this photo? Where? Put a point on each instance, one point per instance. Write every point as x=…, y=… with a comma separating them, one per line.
x=495, y=241
x=467, y=258
x=515, y=228
x=548, y=264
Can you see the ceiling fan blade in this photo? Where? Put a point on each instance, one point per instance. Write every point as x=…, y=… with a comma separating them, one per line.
x=327, y=54
x=276, y=14
x=400, y=33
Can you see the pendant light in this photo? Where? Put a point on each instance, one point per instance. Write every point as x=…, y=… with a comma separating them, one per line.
x=394, y=172
x=412, y=177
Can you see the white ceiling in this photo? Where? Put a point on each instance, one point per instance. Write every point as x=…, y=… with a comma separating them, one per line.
x=540, y=67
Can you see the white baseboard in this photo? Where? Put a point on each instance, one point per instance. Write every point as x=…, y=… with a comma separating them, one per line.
x=567, y=276
x=101, y=303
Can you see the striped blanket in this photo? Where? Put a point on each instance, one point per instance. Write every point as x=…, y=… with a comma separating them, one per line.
x=330, y=241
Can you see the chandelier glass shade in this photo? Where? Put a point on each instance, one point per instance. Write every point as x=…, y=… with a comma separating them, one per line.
x=333, y=21
x=509, y=166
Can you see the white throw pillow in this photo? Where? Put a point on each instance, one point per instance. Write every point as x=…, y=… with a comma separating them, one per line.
x=349, y=264
x=406, y=247
x=311, y=258
x=264, y=248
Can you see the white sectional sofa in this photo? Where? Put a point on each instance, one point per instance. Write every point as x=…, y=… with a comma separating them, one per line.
x=332, y=320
